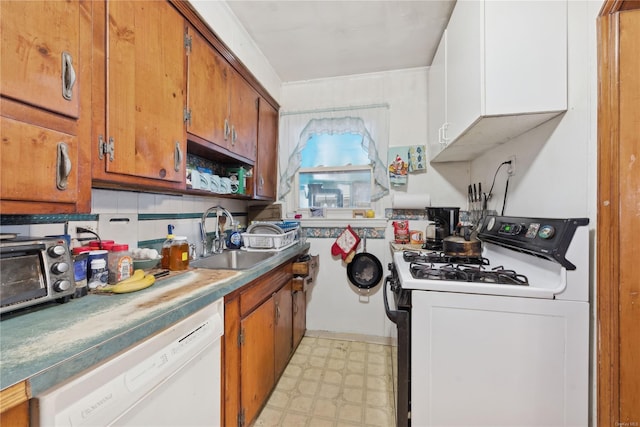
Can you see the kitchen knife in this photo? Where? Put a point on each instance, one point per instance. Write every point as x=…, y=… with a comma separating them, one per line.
x=475, y=193
x=480, y=195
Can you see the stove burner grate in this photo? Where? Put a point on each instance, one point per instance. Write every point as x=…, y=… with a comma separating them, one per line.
x=442, y=258
x=466, y=273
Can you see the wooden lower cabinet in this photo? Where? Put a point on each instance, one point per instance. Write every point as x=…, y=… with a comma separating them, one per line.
x=258, y=343
x=257, y=354
x=14, y=406
x=299, y=316
x=18, y=416
x=283, y=327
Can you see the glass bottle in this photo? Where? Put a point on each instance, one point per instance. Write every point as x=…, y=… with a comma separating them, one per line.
x=166, y=248
x=179, y=254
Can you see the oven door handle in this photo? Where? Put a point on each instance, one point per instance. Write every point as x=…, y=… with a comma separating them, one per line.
x=392, y=315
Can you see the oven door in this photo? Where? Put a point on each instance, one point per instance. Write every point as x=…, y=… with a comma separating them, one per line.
x=400, y=315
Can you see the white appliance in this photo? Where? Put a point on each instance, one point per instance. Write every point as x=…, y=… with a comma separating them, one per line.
x=484, y=353
x=171, y=379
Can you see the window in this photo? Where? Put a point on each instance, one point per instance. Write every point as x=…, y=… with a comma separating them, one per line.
x=329, y=158
x=335, y=172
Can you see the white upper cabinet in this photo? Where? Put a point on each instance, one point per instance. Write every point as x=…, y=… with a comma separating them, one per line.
x=437, y=93
x=503, y=67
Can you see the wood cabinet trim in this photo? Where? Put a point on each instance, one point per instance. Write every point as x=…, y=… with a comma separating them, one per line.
x=611, y=407
x=14, y=395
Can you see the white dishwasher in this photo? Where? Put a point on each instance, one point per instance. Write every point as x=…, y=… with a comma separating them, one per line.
x=170, y=379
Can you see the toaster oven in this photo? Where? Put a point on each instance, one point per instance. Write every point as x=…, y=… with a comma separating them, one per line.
x=34, y=270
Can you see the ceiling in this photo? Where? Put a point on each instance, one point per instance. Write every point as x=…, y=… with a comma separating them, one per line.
x=311, y=39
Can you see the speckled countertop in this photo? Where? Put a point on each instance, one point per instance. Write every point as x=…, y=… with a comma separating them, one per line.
x=49, y=345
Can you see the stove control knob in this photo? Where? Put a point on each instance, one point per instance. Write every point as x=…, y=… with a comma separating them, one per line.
x=62, y=285
x=546, y=232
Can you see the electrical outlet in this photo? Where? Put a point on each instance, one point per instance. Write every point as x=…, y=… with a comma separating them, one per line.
x=511, y=168
x=74, y=225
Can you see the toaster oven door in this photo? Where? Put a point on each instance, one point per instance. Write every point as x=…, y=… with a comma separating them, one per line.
x=22, y=276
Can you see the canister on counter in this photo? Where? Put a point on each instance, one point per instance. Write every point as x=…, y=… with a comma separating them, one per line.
x=99, y=273
x=102, y=254
x=416, y=237
x=120, y=263
x=179, y=253
x=80, y=263
x=101, y=244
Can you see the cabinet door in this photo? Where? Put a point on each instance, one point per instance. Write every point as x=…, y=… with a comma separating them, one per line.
x=32, y=158
x=266, y=170
x=41, y=54
x=437, y=102
x=145, y=90
x=208, y=92
x=464, y=67
x=46, y=55
x=257, y=359
x=299, y=316
x=283, y=327
x=244, y=118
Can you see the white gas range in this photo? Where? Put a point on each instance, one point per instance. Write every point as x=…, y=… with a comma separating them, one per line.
x=501, y=340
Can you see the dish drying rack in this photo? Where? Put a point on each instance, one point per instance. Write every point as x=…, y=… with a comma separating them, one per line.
x=282, y=235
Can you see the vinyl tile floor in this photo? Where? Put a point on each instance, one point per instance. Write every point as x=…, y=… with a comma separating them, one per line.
x=333, y=383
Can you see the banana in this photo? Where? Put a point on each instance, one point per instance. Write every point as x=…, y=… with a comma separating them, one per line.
x=126, y=286
x=137, y=275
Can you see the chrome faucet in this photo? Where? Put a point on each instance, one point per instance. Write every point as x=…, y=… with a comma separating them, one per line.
x=217, y=245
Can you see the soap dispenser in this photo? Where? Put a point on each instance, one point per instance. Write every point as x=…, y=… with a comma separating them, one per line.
x=235, y=238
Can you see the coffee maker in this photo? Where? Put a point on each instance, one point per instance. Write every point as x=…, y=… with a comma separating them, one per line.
x=445, y=221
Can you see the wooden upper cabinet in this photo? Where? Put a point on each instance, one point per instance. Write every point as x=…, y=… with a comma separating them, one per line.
x=243, y=117
x=144, y=133
x=45, y=125
x=41, y=54
x=266, y=170
x=222, y=106
x=207, y=91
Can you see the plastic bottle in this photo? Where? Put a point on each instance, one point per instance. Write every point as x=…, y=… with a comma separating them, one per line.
x=99, y=273
x=80, y=261
x=179, y=253
x=166, y=248
x=235, y=238
x=120, y=263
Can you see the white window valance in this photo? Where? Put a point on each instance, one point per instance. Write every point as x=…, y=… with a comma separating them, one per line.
x=372, y=122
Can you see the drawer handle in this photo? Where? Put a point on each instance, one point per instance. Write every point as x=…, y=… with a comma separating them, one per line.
x=68, y=76
x=63, y=166
x=226, y=129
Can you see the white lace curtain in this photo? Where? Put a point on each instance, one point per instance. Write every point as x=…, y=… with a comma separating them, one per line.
x=372, y=122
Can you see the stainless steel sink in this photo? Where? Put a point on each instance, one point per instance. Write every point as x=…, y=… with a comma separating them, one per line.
x=231, y=260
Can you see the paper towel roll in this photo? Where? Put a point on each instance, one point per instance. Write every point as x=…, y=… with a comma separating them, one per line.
x=410, y=201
